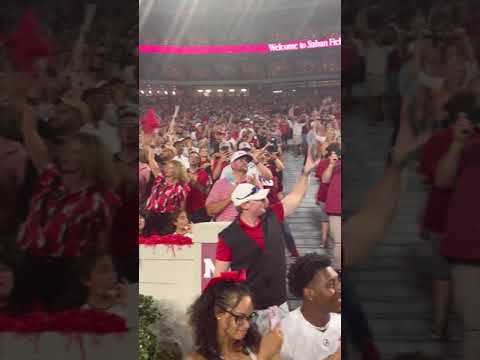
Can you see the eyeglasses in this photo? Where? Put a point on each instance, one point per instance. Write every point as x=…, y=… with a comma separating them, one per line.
x=241, y=318
x=253, y=192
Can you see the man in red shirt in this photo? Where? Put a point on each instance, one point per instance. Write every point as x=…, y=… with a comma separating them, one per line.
x=432, y=228
x=458, y=169
x=199, y=184
x=252, y=224
x=331, y=174
x=284, y=130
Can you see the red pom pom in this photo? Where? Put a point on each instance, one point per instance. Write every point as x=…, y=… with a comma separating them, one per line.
x=27, y=44
x=150, y=122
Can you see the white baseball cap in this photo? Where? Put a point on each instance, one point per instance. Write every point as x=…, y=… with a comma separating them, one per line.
x=239, y=154
x=246, y=192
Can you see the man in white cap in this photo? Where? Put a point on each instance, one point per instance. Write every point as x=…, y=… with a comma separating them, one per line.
x=255, y=241
x=255, y=167
x=219, y=204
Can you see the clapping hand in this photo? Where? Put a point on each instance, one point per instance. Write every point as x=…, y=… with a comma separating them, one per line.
x=462, y=129
x=271, y=343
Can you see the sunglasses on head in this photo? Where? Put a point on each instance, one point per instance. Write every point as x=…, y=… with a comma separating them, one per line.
x=253, y=192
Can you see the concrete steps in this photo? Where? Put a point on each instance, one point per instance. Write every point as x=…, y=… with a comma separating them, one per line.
x=394, y=284
x=303, y=222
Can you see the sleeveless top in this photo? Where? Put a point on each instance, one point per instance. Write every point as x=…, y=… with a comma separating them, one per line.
x=250, y=354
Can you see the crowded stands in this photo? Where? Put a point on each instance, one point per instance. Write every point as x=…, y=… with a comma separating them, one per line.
x=420, y=65
x=68, y=223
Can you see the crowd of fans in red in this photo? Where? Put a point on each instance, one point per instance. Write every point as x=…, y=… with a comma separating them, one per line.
x=192, y=162
x=420, y=64
x=68, y=183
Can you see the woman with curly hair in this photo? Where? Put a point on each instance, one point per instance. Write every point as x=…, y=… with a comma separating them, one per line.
x=169, y=193
x=223, y=325
x=71, y=209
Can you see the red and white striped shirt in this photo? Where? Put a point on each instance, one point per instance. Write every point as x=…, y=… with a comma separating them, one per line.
x=62, y=224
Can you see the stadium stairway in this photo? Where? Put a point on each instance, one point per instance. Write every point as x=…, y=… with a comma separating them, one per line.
x=303, y=222
x=394, y=284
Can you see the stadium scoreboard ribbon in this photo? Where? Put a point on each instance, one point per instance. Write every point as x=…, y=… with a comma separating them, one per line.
x=326, y=42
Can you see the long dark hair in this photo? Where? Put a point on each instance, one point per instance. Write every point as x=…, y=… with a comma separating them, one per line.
x=223, y=295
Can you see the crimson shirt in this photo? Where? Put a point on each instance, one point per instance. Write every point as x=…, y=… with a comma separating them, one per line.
x=463, y=225
x=166, y=198
x=195, y=198
x=323, y=188
x=224, y=253
x=63, y=224
x=434, y=215
x=333, y=201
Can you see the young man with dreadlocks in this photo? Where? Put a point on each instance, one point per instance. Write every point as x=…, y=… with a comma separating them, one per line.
x=313, y=330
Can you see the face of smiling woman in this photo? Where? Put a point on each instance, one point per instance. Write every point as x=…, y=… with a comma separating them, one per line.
x=233, y=323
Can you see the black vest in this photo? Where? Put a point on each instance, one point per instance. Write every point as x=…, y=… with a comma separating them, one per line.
x=266, y=270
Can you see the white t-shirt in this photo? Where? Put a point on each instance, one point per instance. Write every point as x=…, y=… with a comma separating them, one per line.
x=252, y=171
x=302, y=340
x=376, y=59
x=297, y=129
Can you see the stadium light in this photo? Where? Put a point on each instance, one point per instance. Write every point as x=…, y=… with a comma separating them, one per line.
x=277, y=91
x=231, y=90
x=165, y=92
x=200, y=90
x=174, y=93
x=243, y=90
x=208, y=90
x=142, y=92
x=220, y=90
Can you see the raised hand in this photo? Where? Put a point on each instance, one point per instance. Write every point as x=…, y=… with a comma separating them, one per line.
x=310, y=163
x=333, y=158
x=462, y=129
x=271, y=343
x=407, y=143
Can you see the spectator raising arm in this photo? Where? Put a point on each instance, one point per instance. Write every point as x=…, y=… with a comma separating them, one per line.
x=295, y=197
x=217, y=207
x=154, y=167
x=34, y=144
x=370, y=225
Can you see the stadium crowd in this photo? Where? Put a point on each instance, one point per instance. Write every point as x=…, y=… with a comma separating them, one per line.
x=68, y=182
x=420, y=65
x=222, y=159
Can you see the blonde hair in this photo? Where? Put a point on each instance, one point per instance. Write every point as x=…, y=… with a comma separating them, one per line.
x=96, y=160
x=180, y=173
x=143, y=156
